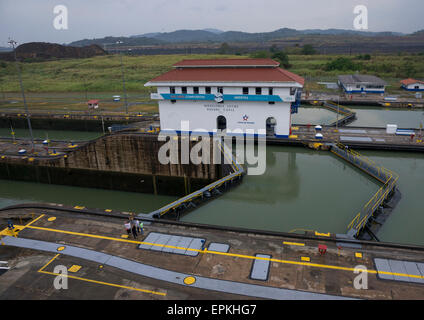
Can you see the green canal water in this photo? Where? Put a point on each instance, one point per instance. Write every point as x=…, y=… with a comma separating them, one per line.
x=16, y=192
x=380, y=117
x=300, y=190
x=406, y=224
x=51, y=134
x=366, y=117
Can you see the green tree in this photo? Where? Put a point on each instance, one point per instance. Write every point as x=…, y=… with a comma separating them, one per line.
x=342, y=64
x=260, y=54
x=308, y=49
x=224, y=48
x=283, y=58
x=408, y=69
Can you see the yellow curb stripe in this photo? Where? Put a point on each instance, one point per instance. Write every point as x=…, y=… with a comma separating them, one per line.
x=227, y=253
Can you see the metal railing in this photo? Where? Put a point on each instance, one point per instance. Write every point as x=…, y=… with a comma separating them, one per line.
x=347, y=114
x=387, y=177
x=237, y=171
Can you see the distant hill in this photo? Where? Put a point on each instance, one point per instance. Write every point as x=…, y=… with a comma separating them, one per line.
x=215, y=35
x=209, y=40
x=110, y=42
x=45, y=51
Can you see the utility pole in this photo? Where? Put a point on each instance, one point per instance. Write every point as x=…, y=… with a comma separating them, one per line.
x=123, y=84
x=13, y=43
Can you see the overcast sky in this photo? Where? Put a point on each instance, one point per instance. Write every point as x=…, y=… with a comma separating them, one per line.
x=32, y=20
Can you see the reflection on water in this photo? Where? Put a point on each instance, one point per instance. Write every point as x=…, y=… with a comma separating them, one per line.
x=301, y=189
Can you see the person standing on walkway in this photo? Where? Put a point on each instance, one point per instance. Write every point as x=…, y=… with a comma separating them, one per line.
x=10, y=224
x=128, y=227
x=137, y=225
x=134, y=229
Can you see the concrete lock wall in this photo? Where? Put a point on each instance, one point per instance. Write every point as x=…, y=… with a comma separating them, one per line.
x=119, y=162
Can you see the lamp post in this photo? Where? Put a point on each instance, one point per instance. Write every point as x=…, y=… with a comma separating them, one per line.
x=13, y=43
x=123, y=81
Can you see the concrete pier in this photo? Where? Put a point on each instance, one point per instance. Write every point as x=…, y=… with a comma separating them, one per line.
x=297, y=270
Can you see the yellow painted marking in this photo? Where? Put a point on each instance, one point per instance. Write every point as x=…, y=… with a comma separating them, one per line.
x=108, y=210
x=79, y=207
x=189, y=280
x=50, y=261
x=72, y=146
x=8, y=232
x=293, y=136
x=124, y=236
x=61, y=248
x=3, y=157
x=94, y=281
x=307, y=259
x=293, y=243
x=350, y=269
x=322, y=234
x=74, y=268
x=31, y=222
x=358, y=255
x=295, y=128
x=105, y=283
x=51, y=219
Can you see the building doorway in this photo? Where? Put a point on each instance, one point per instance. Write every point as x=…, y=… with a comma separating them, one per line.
x=221, y=123
x=270, y=126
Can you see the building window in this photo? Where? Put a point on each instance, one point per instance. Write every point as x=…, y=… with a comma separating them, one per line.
x=245, y=90
x=172, y=89
x=270, y=91
x=292, y=91
x=221, y=90
x=258, y=90
x=196, y=90
x=184, y=90
x=208, y=90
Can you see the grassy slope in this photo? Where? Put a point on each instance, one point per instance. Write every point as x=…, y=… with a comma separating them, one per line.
x=103, y=74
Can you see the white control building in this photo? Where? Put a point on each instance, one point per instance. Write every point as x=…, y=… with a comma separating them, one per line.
x=232, y=94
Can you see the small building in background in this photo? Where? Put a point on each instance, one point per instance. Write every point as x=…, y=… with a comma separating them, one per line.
x=93, y=104
x=358, y=83
x=412, y=85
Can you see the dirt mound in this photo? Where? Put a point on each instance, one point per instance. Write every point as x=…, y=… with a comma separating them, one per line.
x=45, y=51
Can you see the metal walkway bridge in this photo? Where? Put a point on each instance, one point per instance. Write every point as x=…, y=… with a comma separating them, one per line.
x=186, y=202
x=385, y=176
x=347, y=115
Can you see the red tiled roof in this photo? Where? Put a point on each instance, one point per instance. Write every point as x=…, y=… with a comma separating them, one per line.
x=227, y=63
x=229, y=75
x=94, y=101
x=410, y=81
